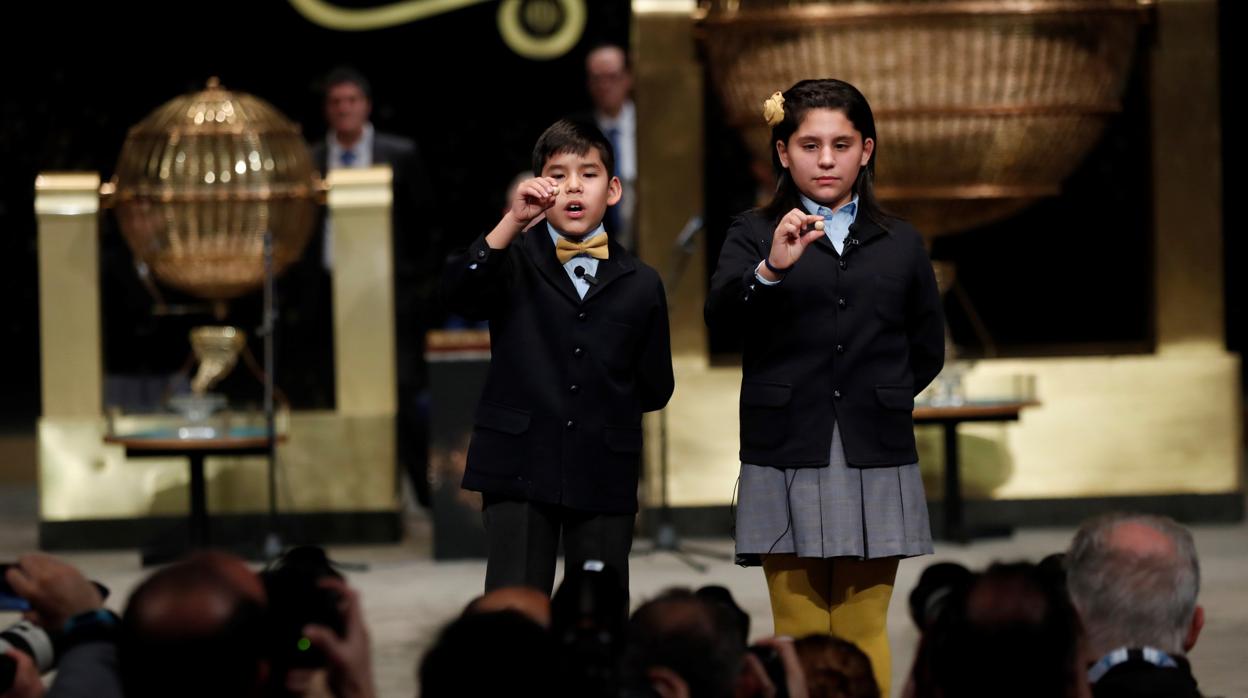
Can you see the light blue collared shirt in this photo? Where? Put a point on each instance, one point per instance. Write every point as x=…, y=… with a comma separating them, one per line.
x=835, y=223
x=835, y=226
x=581, y=260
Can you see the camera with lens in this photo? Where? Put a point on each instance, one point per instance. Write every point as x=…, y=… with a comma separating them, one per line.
x=29, y=639
x=296, y=600
x=42, y=646
x=588, y=615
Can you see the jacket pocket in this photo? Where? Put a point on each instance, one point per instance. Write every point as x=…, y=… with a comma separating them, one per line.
x=500, y=444
x=764, y=413
x=895, y=397
x=895, y=423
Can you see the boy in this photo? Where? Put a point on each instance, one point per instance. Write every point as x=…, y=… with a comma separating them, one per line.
x=580, y=348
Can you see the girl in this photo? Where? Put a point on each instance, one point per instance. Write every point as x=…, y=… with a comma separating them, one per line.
x=842, y=327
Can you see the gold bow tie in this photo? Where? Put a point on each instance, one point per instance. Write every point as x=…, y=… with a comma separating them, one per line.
x=595, y=247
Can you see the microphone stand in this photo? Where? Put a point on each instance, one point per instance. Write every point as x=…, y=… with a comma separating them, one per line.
x=666, y=537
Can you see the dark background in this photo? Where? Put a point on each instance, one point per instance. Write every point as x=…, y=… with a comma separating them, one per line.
x=1069, y=275
x=1039, y=280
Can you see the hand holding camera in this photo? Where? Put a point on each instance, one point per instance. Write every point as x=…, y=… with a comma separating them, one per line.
x=348, y=653
x=50, y=593
x=55, y=590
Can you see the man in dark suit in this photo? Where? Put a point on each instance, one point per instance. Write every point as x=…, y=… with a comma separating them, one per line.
x=580, y=349
x=353, y=142
x=609, y=80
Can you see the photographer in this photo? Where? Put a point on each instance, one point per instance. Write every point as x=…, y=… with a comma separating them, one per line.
x=350, y=655
x=210, y=626
x=196, y=628
x=70, y=609
x=200, y=627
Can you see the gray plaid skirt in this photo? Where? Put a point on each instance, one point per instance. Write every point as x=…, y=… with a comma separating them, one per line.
x=833, y=511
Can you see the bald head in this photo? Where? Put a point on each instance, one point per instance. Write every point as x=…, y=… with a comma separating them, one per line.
x=687, y=635
x=196, y=624
x=676, y=614
x=1138, y=538
x=526, y=601
x=1134, y=579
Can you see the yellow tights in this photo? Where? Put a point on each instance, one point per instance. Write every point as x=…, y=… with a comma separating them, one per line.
x=844, y=597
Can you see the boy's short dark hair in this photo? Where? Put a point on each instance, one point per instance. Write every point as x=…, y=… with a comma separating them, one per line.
x=572, y=136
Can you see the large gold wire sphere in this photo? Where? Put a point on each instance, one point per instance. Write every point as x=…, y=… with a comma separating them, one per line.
x=201, y=179
x=982, y=107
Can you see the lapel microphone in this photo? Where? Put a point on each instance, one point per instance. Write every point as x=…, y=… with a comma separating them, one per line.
x=580, y=274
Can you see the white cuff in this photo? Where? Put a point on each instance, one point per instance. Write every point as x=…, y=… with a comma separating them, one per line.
x=758, y=275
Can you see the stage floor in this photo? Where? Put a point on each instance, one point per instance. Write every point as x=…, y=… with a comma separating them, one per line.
x=407, y=596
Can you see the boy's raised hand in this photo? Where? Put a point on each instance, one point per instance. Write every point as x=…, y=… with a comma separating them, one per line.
x=533, y=198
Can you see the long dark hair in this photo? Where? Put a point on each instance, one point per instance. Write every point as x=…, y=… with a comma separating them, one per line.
x=826, y=94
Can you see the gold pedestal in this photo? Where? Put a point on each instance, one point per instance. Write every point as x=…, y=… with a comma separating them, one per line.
x=332, y=462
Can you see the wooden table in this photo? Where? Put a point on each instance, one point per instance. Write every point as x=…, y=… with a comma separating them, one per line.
x=195, y=450
x=949, y=418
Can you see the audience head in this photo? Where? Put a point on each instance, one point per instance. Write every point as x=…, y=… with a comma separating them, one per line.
x=195, y=628
x=1010, y=631
x=1134, y=579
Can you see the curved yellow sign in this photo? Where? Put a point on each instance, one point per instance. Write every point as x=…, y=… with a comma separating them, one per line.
x=535, y=29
